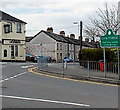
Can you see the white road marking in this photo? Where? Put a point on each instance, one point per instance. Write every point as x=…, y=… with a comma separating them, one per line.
x=27, y=66
x=44, y=100
x=2, y=66
x=12, y=77
x=3, y=63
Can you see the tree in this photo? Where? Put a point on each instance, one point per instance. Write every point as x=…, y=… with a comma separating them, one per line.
x=106, y=18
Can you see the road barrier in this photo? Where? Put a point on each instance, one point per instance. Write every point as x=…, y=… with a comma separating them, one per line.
x=85, y=68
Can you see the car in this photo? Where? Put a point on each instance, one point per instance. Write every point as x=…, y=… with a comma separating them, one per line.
x=51, y=59
x=68, y=59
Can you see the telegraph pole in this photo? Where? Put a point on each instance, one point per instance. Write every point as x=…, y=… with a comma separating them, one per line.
x=80, y=38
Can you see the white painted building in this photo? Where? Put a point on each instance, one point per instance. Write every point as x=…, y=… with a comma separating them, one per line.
x=12, y=37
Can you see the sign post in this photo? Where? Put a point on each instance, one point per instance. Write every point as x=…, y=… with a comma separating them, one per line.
x=118, y=63
x=104, y=62
x=110, y=40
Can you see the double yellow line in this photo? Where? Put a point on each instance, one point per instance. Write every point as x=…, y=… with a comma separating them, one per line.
x=32, y=71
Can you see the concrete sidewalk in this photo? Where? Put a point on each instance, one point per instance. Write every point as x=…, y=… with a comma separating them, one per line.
x=74, y=70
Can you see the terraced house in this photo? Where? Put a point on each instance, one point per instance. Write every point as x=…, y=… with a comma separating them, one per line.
x=58, y=46
x=12, y=37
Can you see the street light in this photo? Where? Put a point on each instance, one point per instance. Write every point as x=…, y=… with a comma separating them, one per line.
x=80, y=38
x=78, y=26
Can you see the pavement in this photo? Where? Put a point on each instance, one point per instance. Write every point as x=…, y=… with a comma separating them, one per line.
x=74, y=71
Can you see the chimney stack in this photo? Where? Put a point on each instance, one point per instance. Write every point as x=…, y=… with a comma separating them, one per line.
x=50, y=29
x=62, y=33
x=79, y=38
x=72, y=36
x=87, y=39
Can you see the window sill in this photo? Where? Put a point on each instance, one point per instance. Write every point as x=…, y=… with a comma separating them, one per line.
x=18, y=32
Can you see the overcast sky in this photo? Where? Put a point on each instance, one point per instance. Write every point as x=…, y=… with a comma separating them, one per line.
x=59, y=14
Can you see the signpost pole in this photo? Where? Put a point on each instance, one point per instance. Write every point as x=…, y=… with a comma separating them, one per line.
x=104, y=63
x=118, y=63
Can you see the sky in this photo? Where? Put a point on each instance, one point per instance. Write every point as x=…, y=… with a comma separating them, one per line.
x=59, y=14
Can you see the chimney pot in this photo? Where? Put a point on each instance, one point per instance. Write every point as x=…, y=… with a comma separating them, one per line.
x=72, y=36
x=87, y=39
x=50, y=29
x=62, y=33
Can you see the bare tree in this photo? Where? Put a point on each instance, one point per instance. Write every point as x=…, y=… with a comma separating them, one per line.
x=106, y=18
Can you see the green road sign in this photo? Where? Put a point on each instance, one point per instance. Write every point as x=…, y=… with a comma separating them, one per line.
x=110, y=39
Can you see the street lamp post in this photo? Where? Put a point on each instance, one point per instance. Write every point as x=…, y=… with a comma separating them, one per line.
x=80, y=38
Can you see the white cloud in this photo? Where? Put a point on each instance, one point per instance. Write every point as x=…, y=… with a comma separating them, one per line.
x=39, y=14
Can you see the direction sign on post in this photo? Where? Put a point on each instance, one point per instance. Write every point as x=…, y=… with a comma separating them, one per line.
x=110, y=39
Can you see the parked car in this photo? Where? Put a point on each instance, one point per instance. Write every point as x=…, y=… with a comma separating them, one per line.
x=68, y=59
x=29, y=57
x=51, y=59
x=47, y=59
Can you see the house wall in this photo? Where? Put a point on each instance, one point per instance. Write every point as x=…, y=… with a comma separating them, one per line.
x=21, y=53
x=60, y=51
x=13, y=34
x=0, y=30
x=13, y=39
x=0, y=39
x=41, y=45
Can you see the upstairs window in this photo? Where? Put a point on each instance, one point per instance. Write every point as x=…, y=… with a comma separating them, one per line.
x=57, y=46
x=18, y=28
x=60, y=46
x=10, y=27
x=7, y=28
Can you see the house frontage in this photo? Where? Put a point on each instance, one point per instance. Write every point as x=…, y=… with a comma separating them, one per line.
x=12, y=37
x=58, y=46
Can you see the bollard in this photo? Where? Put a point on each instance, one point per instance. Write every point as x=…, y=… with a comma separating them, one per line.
x=88, y=69
x=65, y=65
x=62, y=67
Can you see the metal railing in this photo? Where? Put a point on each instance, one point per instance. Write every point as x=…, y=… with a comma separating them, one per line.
x=85, y=68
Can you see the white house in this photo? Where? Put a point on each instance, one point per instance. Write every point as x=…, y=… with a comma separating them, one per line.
x=12, y=37
x=47, y=43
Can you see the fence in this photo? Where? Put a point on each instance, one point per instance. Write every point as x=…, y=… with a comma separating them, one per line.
x=85, y=68
x=42, y=62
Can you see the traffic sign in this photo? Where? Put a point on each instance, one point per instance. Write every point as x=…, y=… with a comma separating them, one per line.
x=110, y=39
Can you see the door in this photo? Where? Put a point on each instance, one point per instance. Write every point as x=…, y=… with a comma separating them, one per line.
x=12, y=52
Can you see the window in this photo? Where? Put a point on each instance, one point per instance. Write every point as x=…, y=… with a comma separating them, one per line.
x=7, y=28
x=10, y=27
x=18, y=28
x=60, y=46
x=5, y=53
x=16, y=50
x=66, y=47
x=57, y=46
x=60, y=56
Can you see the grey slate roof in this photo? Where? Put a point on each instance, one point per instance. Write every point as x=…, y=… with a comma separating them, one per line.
x=28, y=39
x=61, y=38
x=5, y=16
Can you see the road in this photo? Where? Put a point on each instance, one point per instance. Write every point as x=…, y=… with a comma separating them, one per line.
x=23, y=89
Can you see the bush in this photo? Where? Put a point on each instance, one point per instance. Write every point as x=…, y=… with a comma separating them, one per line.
x=97, y=54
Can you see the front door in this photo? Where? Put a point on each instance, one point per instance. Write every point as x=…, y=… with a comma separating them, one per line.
x=12, y=52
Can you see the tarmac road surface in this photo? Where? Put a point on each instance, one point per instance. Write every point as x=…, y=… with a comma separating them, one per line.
x=23, y=89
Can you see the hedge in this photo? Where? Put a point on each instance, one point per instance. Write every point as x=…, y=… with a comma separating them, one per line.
x=97, y=54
